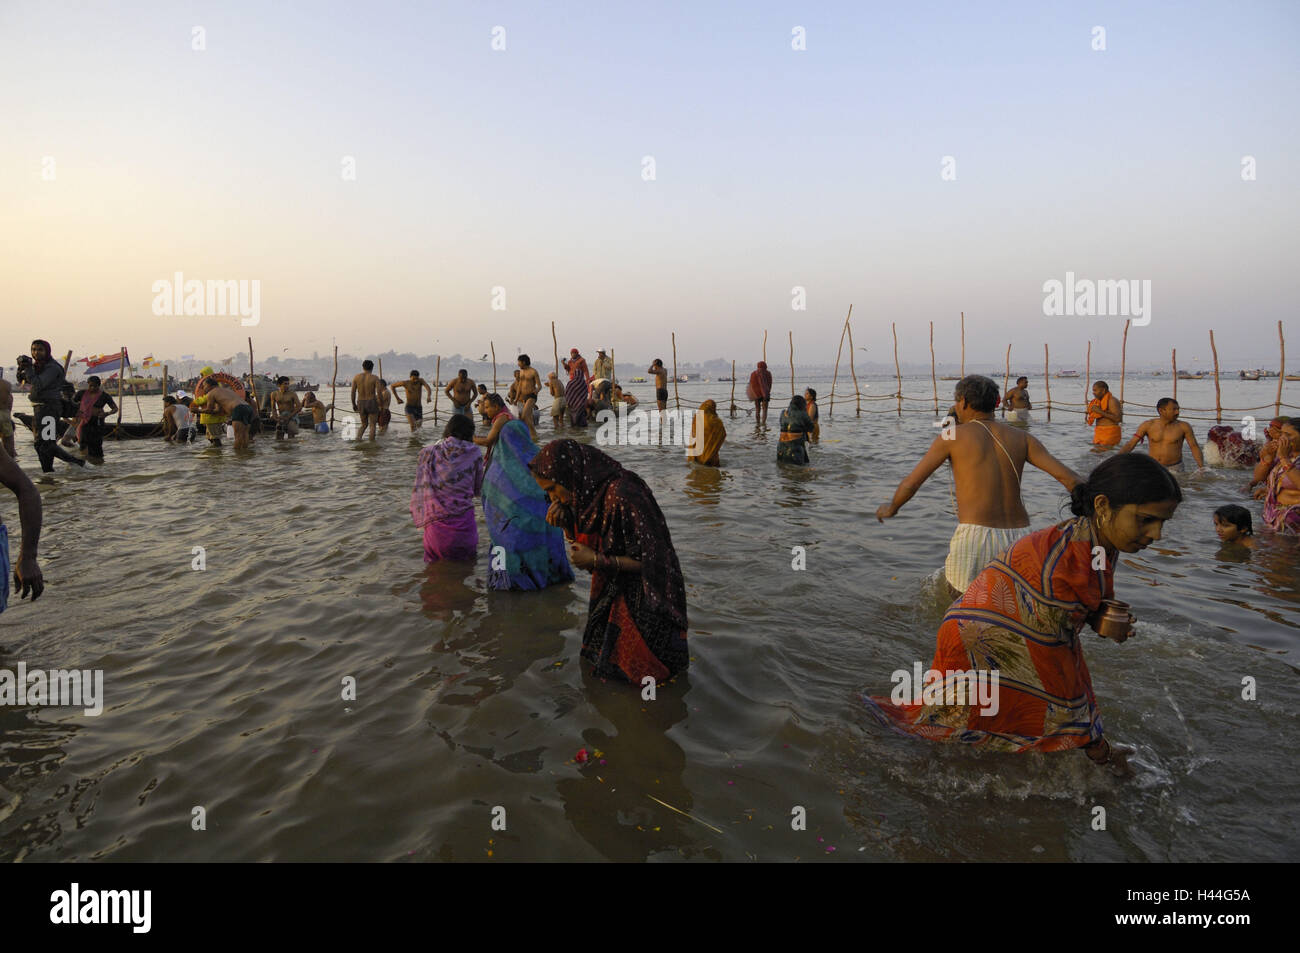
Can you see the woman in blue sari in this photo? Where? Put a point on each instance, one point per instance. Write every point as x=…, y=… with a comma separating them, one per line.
x=515, y=508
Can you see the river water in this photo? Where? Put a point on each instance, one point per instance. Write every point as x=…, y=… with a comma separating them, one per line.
x=223, y=686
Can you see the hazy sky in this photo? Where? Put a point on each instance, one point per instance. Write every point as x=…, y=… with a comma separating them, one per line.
x=523, y=168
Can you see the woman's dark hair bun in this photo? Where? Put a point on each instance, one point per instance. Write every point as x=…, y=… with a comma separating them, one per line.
x=1081, y=499
x=1125, y=478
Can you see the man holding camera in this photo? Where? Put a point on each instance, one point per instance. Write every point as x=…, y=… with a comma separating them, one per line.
x=46, y=379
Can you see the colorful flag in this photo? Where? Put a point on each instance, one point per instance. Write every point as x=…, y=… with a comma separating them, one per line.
x=108, y=364
x=150, y=362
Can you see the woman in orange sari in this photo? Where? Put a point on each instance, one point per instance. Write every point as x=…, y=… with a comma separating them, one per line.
x=707, y=435
x=1023, y=616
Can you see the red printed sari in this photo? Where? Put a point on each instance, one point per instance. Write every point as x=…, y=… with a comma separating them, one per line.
x=1021, y=617
x=636, y=625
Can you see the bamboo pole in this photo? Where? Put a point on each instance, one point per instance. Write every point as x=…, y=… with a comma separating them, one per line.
x=121, y=373
x=555, y=344
x=676, y=397
x=164, y=382
x=791, y=363
x=136, y=394
x=1218, y=406
x=836, y=374
x=1047, y=379
x=252, y=382
x=334, y=386
x=613, y=367
x=1123, y=364
x=934, y=381
x=963, y=344
x=1006, y=382
x=494, y=366
x=437, y=378
x=1281, y=371
x=1087, y=376
x=898, y=373
x=853, y=371
x=1174, y=358
x=765, y=345
x=733, y=388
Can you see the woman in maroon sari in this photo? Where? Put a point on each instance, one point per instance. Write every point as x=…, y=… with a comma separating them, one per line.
x=637, y=620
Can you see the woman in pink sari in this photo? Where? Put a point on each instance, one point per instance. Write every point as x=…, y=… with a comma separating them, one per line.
x=447, y=478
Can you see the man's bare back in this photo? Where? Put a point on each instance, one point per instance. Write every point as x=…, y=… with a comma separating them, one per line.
x=367, y=386
x=987, y=476
x=223, y=398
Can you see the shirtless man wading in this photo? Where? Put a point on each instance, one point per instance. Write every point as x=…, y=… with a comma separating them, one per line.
x=285, y=407
x=530, y=385
x=1016, y=404
x=413, y=391
x=365, y=399
x=241, y=413
x=660, y=374
x=987, y=459
x=462, y=393
x=318, y=410
x=1166, y=434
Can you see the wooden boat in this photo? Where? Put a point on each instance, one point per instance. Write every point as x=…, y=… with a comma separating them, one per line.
x=1189, y=376
x=1069, y=373
x=1291, y=377
x=128, y=430
x=1248, y=375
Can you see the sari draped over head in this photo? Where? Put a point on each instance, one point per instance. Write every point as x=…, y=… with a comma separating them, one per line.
x=1279, y=518
x=515, y=509
x=796, y=427
x=707, y=435
x=1232, y=448
x=636, y=625
x=760, y=383
x=1021, y=617
x=575, y=391
x=447, y=478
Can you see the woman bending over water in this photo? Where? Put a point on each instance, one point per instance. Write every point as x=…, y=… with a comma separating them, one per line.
x=636, y=624
x=1023, y=615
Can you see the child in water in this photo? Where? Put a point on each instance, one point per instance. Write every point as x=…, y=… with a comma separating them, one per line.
x=1233, y=524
